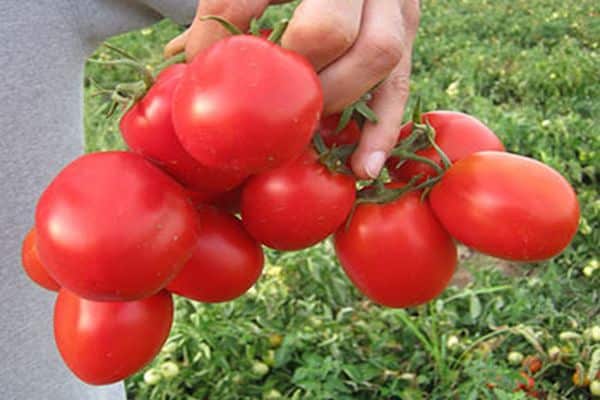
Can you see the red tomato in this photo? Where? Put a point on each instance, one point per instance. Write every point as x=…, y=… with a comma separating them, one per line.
x=457, y=134
x=105, y=342
x=296, y=205
x=247, y=104
x=397, y=253
x=147, y=128
x=507, y=206
x=113, y=227
x=226, y=261
x=349, y=135
x=32, y=264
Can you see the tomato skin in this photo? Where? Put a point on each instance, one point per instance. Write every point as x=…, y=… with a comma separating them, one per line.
x=297, y=205
x=226, y=262
x=397, y=254
x=113, y=227
x=507, y=206
x=148, y=129
x=457, y=134
x=32, y=264
x=247, y=105
x=105, y=342
x=349, y=135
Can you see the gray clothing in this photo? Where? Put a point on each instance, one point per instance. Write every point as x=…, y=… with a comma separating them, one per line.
x=44, y=46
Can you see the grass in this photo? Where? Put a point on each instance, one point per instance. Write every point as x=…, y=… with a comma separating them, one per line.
x=528, y=69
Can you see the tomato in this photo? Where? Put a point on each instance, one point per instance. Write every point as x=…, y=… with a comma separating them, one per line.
x=397, y=254
x=105, y=342
x=457, y=134
x=507, y=206
x=532, y=364
x=226, y=260
x=247, y=104
x=297, y=205
x=349, y=135
x=32, y=264
x=147, y=128
x=113, y=227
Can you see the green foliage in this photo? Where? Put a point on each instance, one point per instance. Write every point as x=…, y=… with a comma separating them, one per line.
x=528, y=69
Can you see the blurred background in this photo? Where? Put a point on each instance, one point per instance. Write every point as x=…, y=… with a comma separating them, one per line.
x=529, y=70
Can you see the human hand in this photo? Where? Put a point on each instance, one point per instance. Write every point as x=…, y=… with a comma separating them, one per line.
x=352, y=44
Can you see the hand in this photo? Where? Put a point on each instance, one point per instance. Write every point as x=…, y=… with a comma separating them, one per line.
x=353, y=45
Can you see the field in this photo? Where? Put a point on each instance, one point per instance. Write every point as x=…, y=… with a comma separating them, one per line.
x=531, y=71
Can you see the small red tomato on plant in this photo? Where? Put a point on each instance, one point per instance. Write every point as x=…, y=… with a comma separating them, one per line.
x=105, y=342
x=247, y=105
x=507, y=206
x=113, y=227
x=458, y=135
x=532, y=364
x=226, y=261
x=32, y=264
x=147, y=128
x=396, y=253
x=297, y=205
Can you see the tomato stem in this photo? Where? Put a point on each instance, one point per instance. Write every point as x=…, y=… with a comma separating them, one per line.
x=234, y=30
x=278, y=31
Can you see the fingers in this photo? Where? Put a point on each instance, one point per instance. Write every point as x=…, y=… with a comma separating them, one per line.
x=388, y=103
x=204, y=33
x=323, y=30
x=176, y=45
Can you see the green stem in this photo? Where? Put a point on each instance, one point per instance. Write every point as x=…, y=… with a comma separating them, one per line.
x=413, y=328
x=176, y=59
x=145, y=72
x=234, y=30
x=412, y=156
x=477, y=292
x=278, y=31
x=120, y=51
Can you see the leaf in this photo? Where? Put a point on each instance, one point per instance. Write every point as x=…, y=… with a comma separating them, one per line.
x=474, y=307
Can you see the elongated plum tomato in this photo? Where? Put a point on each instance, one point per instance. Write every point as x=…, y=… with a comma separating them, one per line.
x=147, y=128
x=247, y=104
x=32, y=264
x=397, y=254
x=113, y=227
x=507, y=206
x=226, y=261
x=457, y=134
x=296, y=205
x=105, y=342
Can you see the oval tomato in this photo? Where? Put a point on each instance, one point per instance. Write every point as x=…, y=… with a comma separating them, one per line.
x=247, y=104
x=112, y=226
x=226, y=261
x=397, y=253
x=298, y=204
x=32, y=264
x=105, y=342
x=147, y=128
x=457, y=134
x=507, y=206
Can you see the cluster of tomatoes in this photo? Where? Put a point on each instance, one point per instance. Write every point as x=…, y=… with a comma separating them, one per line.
x=117, y=232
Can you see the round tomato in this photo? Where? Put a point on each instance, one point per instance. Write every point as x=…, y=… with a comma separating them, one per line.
x=507, y=206
x=147, y=128
x=113, y=227
x=349, y=135
x=32, y=264
x=226, y=261
x=397, y=253
x=457, y=134
x=297, y=205
x=105, y=342
x=247, y=104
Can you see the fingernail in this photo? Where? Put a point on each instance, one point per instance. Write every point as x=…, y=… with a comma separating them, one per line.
x=374, y=163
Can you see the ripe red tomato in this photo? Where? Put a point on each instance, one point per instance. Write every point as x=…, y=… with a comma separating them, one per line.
x=349, y=135
x=247, y=104
x=457, y=134
x=105, y=342
x=296, y=205
x=32, y=264
x=113, y=227
x=507, y=206
x=397, y=253
x=226, y=261
x=147, y=128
